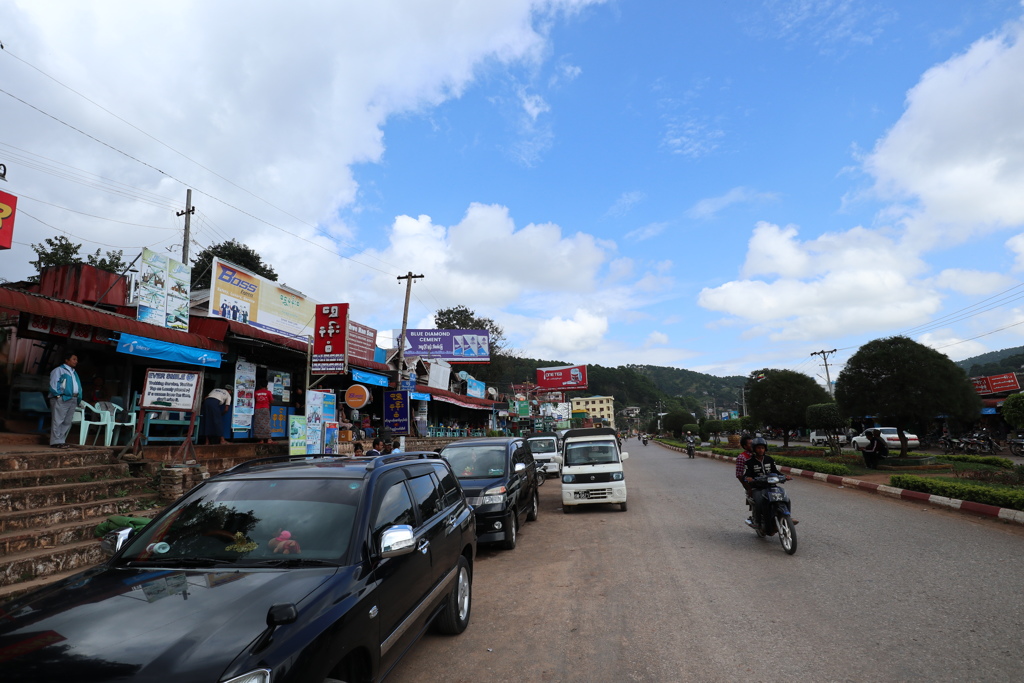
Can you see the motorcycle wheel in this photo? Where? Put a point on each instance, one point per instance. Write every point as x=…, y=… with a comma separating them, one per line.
x=787, y=533
x=973, y=448
x=1017, y=449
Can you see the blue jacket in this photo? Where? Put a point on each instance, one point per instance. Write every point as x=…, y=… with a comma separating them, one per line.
x=65, y=384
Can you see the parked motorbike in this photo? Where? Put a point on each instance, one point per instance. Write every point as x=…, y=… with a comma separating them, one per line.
x=986, y=444
x=779, y=518
x=542, y=475
x=1016, y=445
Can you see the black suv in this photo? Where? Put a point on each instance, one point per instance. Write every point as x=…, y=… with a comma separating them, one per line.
x=499, y=477
x=301, y=571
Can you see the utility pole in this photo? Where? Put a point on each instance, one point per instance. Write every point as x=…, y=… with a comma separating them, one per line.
x=409, y=277
x=187, y=213
x=824, y=357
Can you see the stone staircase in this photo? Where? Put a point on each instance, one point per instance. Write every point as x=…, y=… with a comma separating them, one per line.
x=50, y=502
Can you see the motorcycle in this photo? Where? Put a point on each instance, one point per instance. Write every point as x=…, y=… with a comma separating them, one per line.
x=645, y=440
x=779, y=518
x=690, y=451
x=1016, y=445
x=542, y=475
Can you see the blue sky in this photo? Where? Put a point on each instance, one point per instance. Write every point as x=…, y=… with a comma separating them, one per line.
x=714, y=187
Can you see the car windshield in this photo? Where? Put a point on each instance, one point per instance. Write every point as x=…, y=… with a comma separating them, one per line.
x=254, y=520
x=542, y=445
x=476, y=462
x=590, y=453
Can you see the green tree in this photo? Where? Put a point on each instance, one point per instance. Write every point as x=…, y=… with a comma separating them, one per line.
x=779, y=399
x=237, y=253
x=714, y=428
x=906, y=384
x=826, y=417
x=60, y=251
x=1013, y=411
x=675, y=421
x=113, y=261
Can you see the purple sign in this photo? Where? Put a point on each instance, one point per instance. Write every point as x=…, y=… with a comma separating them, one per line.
x=454, y=346
x=396, y=411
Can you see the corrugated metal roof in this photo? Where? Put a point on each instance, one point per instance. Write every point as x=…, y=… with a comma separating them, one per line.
x=24, y=302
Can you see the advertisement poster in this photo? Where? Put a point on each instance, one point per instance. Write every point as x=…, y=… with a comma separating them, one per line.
x=330, y=437
x=164, y=287
x=330, y=328
x=236, y=294
x=244, y=404
x=296, y=435
x=170, y=390
x=566, y=378
x=280, y=384
x=8, y=211
x=475, y=388
x=330, y=411
x=396, y=411
x=361, y=342
x=314, y=421
x=454, y=346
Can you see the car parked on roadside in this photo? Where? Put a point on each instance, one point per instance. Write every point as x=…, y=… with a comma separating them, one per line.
x=277, y=571
x=821, y=438
x=891, y=436
x=499, y=476
x=547, y=451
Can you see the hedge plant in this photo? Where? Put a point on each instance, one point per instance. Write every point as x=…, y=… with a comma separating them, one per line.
x=976, y=493
x=990, y=460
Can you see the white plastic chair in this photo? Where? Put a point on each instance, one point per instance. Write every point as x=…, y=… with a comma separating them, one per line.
x=122, y=418
x=88, y=415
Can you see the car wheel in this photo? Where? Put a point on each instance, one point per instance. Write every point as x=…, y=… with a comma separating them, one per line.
x=531, y=516
x=622, y=506
x=454, y=619
x=511, y=536
x=567, y=509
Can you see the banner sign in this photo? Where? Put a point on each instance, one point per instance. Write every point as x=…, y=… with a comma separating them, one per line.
x=154, y=348
x=164, y=291
x=371, y=378
x=418, y=396
x=475, y=388
x=396, y=411
x=981, y=385
x=329, y=339
x=8, y=211
x=361, y=342
x=244, y=405
x=236, y=294
x=296, y=435
x=170, y=390
x=566, y=378
x=454, y=346
x=1000, y=383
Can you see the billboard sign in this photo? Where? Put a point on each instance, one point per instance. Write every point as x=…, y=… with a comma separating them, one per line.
x=1000, y=383
x=566, y=378
x=236, y=294
x=329, y=339
x=8, y=210
x=164, y=290
x=454, y=346
x=981, y=385
x=396, y=412
x=361, y=342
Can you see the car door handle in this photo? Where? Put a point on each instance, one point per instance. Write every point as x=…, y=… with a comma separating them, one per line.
x=423, y=546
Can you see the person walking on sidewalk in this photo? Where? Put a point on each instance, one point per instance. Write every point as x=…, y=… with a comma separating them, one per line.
x=261, y=413
x=65, y=394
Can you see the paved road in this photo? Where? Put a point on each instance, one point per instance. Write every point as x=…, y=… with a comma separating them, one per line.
x=678, y=589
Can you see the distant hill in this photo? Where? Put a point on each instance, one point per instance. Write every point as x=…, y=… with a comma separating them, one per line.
x=994, y=362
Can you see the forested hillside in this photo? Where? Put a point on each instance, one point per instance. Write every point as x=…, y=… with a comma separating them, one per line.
x=994, y=362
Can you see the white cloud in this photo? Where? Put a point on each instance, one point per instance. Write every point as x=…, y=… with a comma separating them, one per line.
x=581, y=332
x=972, y=282
x=1016, y=246
x=952, y=345
x=646, y=232
x=625, y=203
x=709, y=207
x=656, y=339
x=692, y=137
x=957, y=152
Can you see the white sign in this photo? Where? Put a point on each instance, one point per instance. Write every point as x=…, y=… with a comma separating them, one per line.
x=170, y=390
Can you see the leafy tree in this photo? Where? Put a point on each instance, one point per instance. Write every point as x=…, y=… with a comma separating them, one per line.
x=906, y=384
x=1013, y=411
x=60, y=251
x=779, y=399
x=675, y=421
x=240, y=254
x=113, y=261
x=714, y=428
x=827, y=418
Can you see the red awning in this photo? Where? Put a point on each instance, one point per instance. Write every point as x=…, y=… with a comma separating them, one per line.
x=456, y=399
x=24, y=302
x=219, y=328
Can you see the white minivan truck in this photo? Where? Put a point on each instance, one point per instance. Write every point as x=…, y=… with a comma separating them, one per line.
x=592, y=468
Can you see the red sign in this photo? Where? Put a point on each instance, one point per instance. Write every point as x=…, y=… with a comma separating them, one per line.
x=8, y=209
x=1000, y=383
x=361, y=341
x=568, y=378
x=329, y=339
x=981, y=385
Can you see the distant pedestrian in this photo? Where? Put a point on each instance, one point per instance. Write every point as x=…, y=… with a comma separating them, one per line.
x=65, y=394
x=375, y=449
x=215, y=408
x=261, y=415
x=875, y=450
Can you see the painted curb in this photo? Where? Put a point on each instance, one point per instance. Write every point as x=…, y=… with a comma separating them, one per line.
x=1007, y=514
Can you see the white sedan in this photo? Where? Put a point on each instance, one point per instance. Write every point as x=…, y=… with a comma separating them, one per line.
x=891, y=436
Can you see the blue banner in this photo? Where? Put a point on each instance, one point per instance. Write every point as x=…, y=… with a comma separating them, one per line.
x=371, y=378
x=396, y=411
x=418, y=396
x=154, y=348
x=475, y=388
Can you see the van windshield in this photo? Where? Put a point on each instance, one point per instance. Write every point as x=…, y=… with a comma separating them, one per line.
x=542, y=445
x=590, y=453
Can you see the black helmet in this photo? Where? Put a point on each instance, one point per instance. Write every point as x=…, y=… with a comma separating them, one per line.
x=759, y=441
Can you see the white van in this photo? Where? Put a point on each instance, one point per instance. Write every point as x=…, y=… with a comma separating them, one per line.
x=546, y=448
x=592, y=468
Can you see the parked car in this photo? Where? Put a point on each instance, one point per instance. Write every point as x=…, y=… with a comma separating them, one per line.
x=546, y=449
x=891, y=436
x=274, y=571
x=499, y=476
x=592, y=469
x=821, y=438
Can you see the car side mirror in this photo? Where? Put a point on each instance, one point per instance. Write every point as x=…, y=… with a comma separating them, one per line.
x=397, y=540
x=113, y=541
x=624, y=455
x=282, y=613
x=520, y=467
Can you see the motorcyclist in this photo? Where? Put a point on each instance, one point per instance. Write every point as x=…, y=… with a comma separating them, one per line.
x=759, y=464
x=741, y=465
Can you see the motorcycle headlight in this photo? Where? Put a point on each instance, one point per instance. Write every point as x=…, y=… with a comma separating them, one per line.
x=568, y=478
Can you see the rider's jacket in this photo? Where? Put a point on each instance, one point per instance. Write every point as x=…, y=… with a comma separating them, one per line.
x=757, y=468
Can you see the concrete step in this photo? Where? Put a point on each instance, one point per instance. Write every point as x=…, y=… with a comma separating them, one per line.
x=47, y=458
x=16, y=590
x=94, y=511
x=53, y=536
x=62, y=475
x=33, y=564
x=30, y=497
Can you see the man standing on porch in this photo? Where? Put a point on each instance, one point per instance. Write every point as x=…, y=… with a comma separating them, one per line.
x=65, y=393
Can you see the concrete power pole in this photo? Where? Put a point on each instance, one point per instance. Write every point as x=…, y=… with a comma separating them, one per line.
x=824, y=358
x=409, y=277
x=187, y=213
